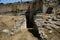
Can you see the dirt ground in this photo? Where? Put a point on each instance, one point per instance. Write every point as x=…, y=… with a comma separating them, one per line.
x=22, y=35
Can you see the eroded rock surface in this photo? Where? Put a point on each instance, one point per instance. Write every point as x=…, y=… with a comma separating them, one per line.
x=47, y=27
x=12, y=24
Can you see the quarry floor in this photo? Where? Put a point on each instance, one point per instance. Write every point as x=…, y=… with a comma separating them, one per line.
x=22, y=35
x=26, y=35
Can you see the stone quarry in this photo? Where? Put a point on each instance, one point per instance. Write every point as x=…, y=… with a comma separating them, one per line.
x=48, y=26
x=13, y=20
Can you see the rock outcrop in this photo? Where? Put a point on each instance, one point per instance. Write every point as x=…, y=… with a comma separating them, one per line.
x=48, y=26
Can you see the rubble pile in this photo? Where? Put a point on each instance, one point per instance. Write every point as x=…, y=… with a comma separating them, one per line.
x=48, y=26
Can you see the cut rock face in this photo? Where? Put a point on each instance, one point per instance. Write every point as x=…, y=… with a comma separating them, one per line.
x=12, y=24
x=47, y=27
